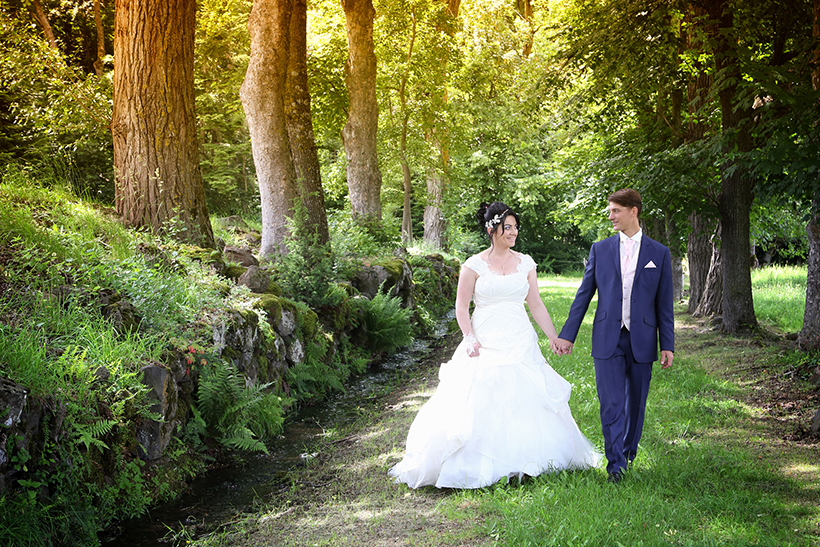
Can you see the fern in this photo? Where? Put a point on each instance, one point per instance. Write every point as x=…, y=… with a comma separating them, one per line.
x=386, y=323
x=89, y=434
x=235, y=414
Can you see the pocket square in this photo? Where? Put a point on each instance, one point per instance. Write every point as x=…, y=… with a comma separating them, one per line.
x=650, y=265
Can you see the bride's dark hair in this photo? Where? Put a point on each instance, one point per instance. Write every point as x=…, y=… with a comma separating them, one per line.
x=492, y=215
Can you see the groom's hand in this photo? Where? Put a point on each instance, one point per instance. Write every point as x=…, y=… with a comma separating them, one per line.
x=666, y=358
x=562, y=347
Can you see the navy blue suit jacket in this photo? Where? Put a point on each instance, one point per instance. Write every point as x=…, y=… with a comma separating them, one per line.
x=652, y=316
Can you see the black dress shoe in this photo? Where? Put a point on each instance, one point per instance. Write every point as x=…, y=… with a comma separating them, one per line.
x=615, y=477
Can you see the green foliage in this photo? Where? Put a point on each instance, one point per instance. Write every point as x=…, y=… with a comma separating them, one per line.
x=780, y=296
x=60, y=114
x=237, y=415
x=222, y=45
x=385, y=323
x=358, y=237
x=315, y=376
x=308, y=270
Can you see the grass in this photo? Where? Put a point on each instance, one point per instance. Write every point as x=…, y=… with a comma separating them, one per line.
x=723, y=461
x=779, y=294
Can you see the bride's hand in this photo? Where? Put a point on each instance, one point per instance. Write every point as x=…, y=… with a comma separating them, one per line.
x=473, y=345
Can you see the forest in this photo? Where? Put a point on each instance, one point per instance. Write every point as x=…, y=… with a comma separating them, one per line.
x=319, y=136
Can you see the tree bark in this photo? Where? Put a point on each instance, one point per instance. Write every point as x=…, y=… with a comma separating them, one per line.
x=699, y=252
x=809, y=337
x=524, y=9
x=364, y=179
x=434, y=223
x=737, y=183
x=263, y=99
x=98, y=63
x=42, y=19
x=406, y=215
x=711, y=300
x=156, y=152
x=300, y=127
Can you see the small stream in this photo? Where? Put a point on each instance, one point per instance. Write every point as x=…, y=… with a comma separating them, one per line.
x=221, y=495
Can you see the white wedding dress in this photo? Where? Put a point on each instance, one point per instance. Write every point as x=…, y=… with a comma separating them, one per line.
x=504, y=413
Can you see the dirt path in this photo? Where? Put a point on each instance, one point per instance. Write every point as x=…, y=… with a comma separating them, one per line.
x=342, y=496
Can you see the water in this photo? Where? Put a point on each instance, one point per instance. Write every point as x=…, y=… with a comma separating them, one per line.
x=224, y=495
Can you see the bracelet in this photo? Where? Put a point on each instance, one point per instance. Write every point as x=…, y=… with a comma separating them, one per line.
x=471, y=339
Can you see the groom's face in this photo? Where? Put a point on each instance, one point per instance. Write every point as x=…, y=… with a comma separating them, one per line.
x=623, y=219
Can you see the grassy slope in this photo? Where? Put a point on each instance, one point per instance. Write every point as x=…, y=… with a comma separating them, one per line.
x=725, y=461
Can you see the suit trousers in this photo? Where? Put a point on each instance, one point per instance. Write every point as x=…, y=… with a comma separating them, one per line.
x=623, y=386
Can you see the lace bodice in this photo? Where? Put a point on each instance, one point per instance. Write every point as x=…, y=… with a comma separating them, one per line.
x=493, y=288
x=482, y=268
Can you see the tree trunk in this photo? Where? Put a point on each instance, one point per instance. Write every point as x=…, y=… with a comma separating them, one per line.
x=42, y=19
x=98, y=63
x=433, y=216
x=364, y=180
x=407, y=183
x=300, y=127
x=406, y=216
x=699, y=248
x=699, y=252
x=737, y=183
x=156, y=152
x=524, y=9
x=263, y=99
x=809, y=337
x=711, y=299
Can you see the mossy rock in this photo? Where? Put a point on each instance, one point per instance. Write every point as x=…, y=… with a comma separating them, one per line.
x=274, y=289
x=273, y=306
x=234, y=271
x=308, y=321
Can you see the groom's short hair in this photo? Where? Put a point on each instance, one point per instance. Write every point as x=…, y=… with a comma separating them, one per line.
x=627, y=197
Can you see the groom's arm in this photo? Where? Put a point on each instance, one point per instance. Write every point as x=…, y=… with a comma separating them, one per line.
x=665, y=312
x=581, y=303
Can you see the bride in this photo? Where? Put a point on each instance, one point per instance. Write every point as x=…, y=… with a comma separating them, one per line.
x=499, y=410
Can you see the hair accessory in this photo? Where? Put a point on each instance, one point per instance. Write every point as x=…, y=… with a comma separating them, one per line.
x=496, y=219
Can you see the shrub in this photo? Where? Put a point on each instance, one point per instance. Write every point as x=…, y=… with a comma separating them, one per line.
x=385, y=323
x=235, y=414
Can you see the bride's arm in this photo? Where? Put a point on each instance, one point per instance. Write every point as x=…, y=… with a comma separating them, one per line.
x=538, y=309
x=464, y=294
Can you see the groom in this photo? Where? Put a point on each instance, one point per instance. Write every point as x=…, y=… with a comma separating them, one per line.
x=633, y=277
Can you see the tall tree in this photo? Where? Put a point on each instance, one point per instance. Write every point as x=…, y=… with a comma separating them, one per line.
x=809, y=337
x=404, y=112
x=703, y=245
x=40, y=15
x=98, y=26
x=300, y=126
x=156, y=152
x=263, y=98
x=737, y=183
x=438, y=135
x=359, y=134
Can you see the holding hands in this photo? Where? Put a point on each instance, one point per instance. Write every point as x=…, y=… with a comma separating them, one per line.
x=561, y=347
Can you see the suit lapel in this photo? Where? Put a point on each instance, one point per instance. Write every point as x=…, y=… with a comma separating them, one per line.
x=643, y=257
x=615, y=251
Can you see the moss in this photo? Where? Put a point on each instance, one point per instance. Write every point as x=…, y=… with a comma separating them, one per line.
x=394, y=267
x=230, y=354
x=234, y=271
x=263, y=369
x=273, y=306
x=274, y=289
x=307, y=321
